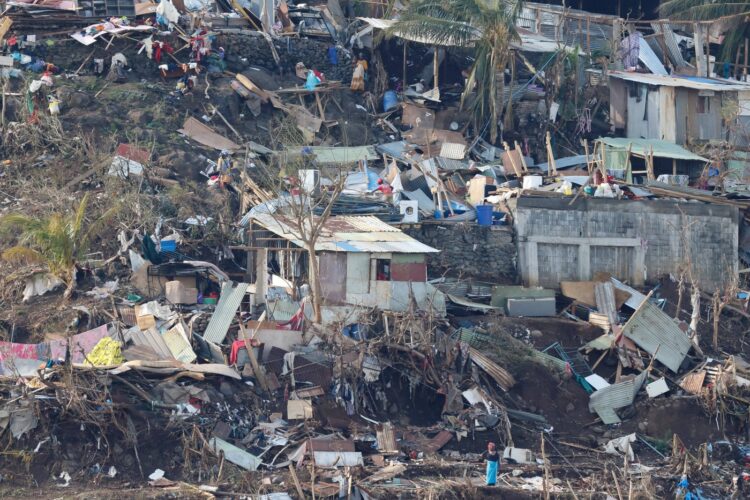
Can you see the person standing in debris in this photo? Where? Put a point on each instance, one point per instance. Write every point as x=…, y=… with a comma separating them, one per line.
x=358, y=79
x=224, y=165
x=493, y=460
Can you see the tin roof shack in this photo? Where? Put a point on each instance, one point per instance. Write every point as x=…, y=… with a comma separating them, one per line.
x=678, y=109
x=634, y=241
x=363, y=262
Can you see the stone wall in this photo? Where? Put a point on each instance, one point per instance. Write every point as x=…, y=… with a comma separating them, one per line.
x=468, y=251
x=248, y=50
x=637, y=241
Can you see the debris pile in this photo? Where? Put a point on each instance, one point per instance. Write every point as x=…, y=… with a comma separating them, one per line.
x=292, y=250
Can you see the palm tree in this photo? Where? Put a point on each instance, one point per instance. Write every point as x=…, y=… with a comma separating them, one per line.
x=489, y=25
x=58, y=241
x=733, y=12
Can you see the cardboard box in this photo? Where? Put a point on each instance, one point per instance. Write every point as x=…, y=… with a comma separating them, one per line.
x=177, y=293
x=145, y=322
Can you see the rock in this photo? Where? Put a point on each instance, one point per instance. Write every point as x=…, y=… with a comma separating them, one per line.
x=77, y=100
x=536, y=334
x=642, y=426
x=570, y=407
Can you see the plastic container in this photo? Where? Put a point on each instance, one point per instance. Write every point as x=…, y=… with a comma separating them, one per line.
x=390, y=100
x=210, y=300
x=484, y=215
x=168, y=245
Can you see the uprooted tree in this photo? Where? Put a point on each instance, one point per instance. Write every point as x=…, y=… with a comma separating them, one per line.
x=58, y=241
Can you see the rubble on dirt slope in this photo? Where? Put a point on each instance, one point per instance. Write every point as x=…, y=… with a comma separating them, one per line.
x=282, y=250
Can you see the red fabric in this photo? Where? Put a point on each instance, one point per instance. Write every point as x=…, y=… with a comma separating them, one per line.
x=236, y=346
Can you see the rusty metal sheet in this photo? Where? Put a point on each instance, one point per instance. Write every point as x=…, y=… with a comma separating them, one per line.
x=133, y=153
x=339, y=445
x=203, y=134
x=310, y=392
x=442, y=438
x=693, y=382
x=503, y=378
x=332, y=274
x=409, y=272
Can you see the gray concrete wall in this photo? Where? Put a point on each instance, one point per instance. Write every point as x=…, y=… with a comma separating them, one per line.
x=637, y=241
x=468, y=251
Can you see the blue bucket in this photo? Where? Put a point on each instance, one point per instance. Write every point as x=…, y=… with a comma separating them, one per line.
x=390, y=100
x=484, y=215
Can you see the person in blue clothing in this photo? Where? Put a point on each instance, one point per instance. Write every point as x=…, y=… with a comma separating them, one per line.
x=493, y=461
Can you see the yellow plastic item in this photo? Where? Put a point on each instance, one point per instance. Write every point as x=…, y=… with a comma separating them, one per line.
x=106, y=352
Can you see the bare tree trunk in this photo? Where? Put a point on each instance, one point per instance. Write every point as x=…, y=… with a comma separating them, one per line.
x=315, y=288
x=695, y=302
x=716, y=303
x=71, y=282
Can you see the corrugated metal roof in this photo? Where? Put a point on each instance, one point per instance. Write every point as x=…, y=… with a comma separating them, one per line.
x=151, y=339
x=445, y=164
x=693, y=382
x=636, y=297
x=282, y=310
x=329, y=155
x=550, y=360
x=606, y=400
x=231, y=297
x=642, y=147
x=652, y=329
x=453, y=151
x=349, y=234
x=716, y=84
x=382, y=24
x=649, y=58
x=675, y=54
x=337, y=458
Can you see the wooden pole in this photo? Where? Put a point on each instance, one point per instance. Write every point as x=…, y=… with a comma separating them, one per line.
x=708, y=52
x=744, y=71
x=253, y=360
x=295, y=479
x=403, y=87
x=435, y=72
x=545, y=482
x=523, y=160
x=617, y=485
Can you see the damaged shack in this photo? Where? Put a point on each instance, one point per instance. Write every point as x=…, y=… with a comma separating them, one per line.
x=363, y=262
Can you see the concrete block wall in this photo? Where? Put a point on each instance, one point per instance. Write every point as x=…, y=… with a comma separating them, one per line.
x=637, y=241
x=468, y=251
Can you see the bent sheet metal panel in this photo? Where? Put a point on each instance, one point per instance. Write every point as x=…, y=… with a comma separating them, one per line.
x=652, y=329
x=606, y=400
x=228, y=304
